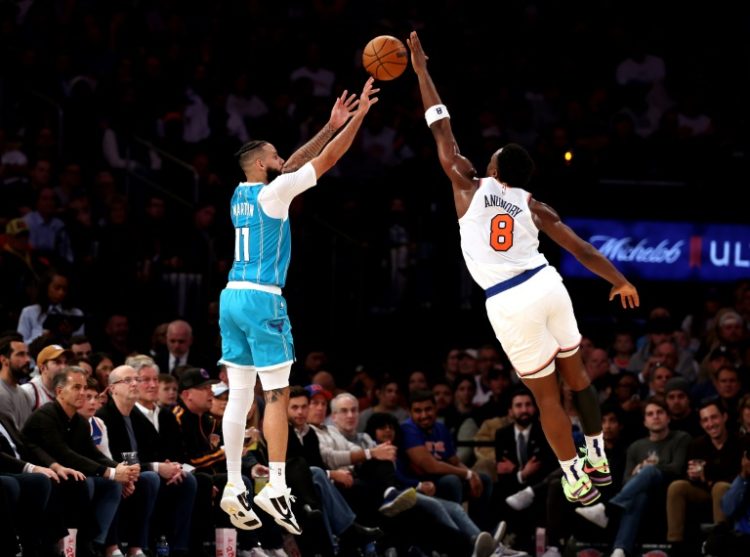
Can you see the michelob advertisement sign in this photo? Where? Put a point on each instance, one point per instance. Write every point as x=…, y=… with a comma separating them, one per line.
x=665, y=250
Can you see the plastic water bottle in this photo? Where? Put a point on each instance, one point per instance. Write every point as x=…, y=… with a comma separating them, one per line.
x=162, y=547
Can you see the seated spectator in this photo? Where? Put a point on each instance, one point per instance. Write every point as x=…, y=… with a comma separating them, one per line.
x=729, y=389
x=488, y=358
x=81, y=347
x=50, y=361
x=432, y=457
x=15, y=368
x=388, y=397
x=657, y=381
x=713, y=461
x=167, y=390
x=177, y=525
x=660, y=348
x=652, y=463
x=498, y=401
x=682, y=416
x=369, y=477
x=201, y=435
x=524, y=459
x=338, y=517
x=53, y=316
x=92, y=402
x=463, y=536
x=58, y=429
x=36, y=510
x=103, y=366
x=732, y=541
x=131, y=432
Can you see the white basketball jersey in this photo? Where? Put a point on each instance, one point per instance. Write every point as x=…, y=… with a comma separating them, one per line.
x=498, y=236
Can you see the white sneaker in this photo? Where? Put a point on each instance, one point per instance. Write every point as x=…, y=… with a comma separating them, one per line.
x=618, y=552
x=596, y=514
x=521, y=499
x=235, y=502
x=504, y=551
x=278, y=503
x=484, y=545
x=500, y=532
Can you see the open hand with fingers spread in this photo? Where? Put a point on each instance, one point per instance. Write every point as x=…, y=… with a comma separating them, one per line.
x=367, y=98
x=343, y=108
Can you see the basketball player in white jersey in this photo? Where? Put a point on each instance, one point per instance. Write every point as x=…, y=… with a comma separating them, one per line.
x=256, y=334
x=528, y=306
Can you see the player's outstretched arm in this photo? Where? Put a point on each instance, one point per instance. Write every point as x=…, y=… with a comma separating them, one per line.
x=549, y=222
x=342, y=109
x=341, y=143
x=457, y=167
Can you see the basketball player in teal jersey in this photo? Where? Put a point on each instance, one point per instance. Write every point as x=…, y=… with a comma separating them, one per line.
x=527, y=304
x=256, y=334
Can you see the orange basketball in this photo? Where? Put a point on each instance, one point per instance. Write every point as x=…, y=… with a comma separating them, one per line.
x=385, y=57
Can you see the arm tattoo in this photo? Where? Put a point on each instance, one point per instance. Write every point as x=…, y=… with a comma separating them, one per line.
x=309, y=150
x=274, y=395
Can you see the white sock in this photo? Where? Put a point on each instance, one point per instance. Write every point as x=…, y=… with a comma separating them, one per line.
x=277, y=474
x=595, y=448
x=241, y=394
x=572, y=469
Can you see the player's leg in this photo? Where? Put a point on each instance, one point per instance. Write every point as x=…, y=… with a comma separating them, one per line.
x=275, y=497
x=237, y=357
x=563, y=326
x=241, y=395
x=555, y=421
x=273, y=352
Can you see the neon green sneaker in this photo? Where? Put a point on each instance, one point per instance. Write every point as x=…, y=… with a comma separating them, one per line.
x=582, y=491
x=599, y=473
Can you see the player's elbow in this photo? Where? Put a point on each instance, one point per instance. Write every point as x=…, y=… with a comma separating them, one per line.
x=323, y=163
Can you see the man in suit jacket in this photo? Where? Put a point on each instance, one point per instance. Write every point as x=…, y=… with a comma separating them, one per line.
x=32, y=491
x=524, y=458
x=185, y=498
x=130, y=432
x=179, y=351
x=57, y=429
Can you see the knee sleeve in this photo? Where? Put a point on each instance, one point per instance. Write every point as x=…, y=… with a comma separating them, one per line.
x=587, y=404
x=241, y=393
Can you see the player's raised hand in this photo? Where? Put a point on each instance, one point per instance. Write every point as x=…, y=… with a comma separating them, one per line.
x=367, y=98
x=342, y=109
x=628, y=295
x=418, y=57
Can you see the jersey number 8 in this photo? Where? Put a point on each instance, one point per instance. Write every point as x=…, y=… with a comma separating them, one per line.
x=501, y=232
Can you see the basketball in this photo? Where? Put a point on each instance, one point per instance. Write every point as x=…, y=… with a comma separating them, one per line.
x=385, y=57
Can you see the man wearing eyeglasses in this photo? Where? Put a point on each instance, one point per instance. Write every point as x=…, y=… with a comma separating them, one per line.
x=58, y=430
x=185, y=491
x=131, y=432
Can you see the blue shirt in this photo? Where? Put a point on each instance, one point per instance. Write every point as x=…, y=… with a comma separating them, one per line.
x=437, y=440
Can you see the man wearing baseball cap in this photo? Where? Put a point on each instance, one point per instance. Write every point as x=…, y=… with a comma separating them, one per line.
x=51, y=361
x=22, y=269
x=201, y=433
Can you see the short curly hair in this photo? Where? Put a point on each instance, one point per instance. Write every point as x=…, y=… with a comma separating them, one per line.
x=514, y=165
